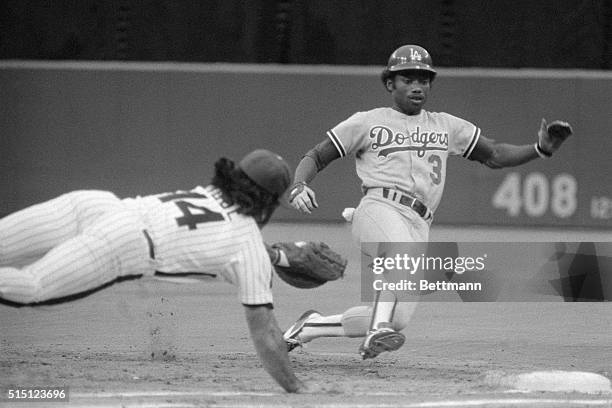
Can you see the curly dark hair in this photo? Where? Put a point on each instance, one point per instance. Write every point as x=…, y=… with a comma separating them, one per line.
x=384, y=75
x=239, y=189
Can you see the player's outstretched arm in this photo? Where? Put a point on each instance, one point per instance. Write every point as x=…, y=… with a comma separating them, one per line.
x=498, y=155
x=302, y=197
x=271, y=348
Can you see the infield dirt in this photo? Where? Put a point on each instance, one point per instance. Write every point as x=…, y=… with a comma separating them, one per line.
x=188, y=344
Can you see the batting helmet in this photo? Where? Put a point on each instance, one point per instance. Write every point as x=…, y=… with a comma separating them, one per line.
x=409, y=57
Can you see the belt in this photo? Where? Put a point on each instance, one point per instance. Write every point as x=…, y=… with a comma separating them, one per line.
x=150, y=242
x=407, y=200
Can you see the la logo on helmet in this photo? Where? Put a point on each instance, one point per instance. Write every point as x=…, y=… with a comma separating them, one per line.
x=415, y=55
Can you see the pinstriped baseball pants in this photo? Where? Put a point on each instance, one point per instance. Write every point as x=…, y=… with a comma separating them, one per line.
x=75, y=242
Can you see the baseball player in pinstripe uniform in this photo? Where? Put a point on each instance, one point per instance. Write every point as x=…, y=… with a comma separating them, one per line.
x=83, y=240
x=400, y=154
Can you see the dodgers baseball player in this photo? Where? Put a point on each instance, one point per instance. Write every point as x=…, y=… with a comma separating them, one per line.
x=86, y=239
x=400, y=154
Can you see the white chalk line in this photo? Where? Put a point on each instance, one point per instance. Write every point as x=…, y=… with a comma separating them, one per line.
x=444, y=404
x=425, y=404
x=162, y=394
x=143, y=405
x=441, y=404
x=432, y=404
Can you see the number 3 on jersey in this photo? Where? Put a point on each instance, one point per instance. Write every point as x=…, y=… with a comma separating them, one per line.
x=436, y=161
x=192, y=214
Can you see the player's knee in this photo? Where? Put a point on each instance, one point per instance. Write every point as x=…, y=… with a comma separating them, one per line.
x=23, y=294
x=399, y=323
x=402, y=315
x=356, y=321
x=35, y=292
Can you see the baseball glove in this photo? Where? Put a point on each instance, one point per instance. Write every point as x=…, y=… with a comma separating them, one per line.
x=308, y=264
x=552, y=136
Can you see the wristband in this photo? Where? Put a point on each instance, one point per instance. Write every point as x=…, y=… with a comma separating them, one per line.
x=296, y=189
x=541, y=152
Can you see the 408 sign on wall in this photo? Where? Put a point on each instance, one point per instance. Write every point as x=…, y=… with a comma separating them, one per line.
x=535, y=195
x=539, y=198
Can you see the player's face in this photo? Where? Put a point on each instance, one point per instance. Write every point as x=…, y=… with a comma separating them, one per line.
x=410, y=90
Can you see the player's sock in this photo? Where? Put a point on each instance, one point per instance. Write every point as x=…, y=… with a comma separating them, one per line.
x=383, y=315
x=352, y=323
x=383, y=310
x=322, y=326
x=356, y=321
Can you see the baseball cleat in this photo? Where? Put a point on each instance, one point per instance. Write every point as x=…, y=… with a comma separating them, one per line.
x=291, y=334
x=377, y=341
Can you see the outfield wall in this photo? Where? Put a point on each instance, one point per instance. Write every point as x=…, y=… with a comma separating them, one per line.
x=145, y=128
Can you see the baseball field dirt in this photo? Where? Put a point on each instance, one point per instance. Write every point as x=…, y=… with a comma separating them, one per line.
x=149, y=343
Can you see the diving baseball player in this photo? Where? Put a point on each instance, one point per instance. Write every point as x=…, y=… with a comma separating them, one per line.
x=400, y=154
x=85, y=239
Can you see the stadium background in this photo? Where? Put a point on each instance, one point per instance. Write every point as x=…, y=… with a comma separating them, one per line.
x=140, y=84
x=140, y=96
x=458, y=33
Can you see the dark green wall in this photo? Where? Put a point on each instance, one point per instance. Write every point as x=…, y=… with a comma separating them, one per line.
x=148, y=128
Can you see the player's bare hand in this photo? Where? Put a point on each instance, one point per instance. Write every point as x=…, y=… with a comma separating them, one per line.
x=303, y=198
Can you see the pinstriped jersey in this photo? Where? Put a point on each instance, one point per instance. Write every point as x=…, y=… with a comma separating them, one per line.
x=405, y=152
x=195, y=231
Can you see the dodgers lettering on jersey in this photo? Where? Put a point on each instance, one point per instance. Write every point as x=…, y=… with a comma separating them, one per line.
x=405, y=152
x=197, y=232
